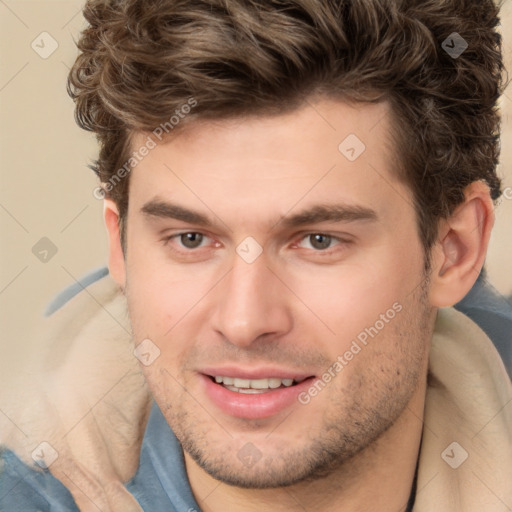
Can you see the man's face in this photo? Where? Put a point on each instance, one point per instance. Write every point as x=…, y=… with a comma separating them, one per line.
x=336, y=305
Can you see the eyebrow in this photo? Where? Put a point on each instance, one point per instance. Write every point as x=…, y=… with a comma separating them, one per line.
x=319, y=213
x=330, y=213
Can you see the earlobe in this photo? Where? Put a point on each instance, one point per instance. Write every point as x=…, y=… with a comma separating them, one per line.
x=459, y=254
x=116, y=263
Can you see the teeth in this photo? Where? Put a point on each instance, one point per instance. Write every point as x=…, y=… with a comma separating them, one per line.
x=241, y=383
x=247, y=391
x=246, y=384
x=259, y=383
x=274, y=383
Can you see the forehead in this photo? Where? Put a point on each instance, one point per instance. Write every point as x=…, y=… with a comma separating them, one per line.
x=267, y=165
x=317, y=125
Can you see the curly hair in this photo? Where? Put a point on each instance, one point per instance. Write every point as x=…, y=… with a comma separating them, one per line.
x=142, y=60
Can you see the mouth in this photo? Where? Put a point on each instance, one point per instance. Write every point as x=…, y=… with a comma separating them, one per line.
x=258, y=397
x=255, y=386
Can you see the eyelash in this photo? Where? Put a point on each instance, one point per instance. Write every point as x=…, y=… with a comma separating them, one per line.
x=341, y=241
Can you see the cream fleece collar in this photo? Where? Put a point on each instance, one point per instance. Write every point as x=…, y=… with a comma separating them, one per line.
x=466, y=455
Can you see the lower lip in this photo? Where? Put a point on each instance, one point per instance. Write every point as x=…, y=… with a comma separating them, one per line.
x=253, y=406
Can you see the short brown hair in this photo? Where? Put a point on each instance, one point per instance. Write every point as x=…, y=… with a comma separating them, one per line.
x=140, y=60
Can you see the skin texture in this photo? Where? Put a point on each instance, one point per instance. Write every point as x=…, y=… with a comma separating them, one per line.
x=297, y=306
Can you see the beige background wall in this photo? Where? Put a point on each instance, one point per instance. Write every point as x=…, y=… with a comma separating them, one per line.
x=46, y=188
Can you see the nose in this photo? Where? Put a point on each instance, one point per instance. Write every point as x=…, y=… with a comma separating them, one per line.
x=251, y=302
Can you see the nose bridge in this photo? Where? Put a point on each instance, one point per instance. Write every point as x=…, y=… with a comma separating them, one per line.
x=251, y=302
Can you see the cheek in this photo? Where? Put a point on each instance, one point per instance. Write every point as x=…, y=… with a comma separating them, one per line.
x=163, y=297
x=157, y=303
x=357, y=302
x=344, y=300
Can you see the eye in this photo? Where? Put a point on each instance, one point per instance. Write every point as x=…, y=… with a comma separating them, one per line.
x=320, y=241
x=189, y=240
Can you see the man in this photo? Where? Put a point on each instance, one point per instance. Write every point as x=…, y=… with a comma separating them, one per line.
x=295, y=195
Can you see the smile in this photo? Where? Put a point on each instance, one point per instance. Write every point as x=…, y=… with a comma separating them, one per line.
x=253, y=398
x=253, y=386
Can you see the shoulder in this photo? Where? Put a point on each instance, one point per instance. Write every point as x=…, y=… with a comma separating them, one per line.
x=492, y=312
x=23, y=489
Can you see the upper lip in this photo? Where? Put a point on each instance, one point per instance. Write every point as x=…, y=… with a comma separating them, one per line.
x=256, y=373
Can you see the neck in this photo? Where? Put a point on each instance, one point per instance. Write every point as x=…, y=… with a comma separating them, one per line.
x=382, y=474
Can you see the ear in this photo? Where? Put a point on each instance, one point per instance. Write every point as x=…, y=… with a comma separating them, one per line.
x=459, y=254
x=116, y=263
